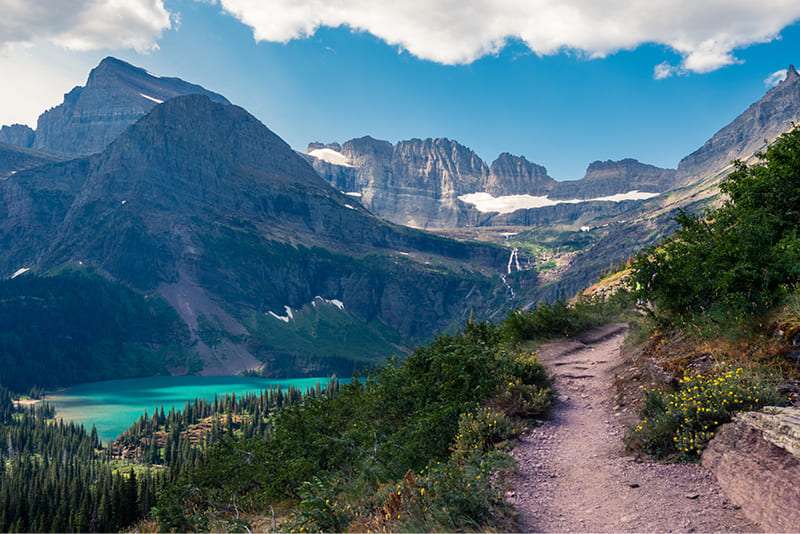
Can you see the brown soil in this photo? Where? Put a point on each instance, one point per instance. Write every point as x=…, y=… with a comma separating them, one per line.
x=574, y=474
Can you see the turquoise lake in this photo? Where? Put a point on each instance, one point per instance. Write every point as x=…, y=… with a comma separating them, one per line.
x=113, y=405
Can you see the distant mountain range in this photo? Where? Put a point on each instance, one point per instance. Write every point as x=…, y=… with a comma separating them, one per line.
x=286, y=262
x=426, y=183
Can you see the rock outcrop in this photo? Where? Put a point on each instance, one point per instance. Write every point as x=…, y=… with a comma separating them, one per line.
x=18, y=135
x=515, y=175
x=756, y=460
x=116, y=95
x=764, y=120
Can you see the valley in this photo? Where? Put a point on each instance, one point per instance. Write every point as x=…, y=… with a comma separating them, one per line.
x=180, y=289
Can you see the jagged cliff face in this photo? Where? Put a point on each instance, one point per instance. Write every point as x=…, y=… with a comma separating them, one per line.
x=515, y=175
x=771, y=116
x=18, y=135
x=115, y=96
x=415, y=182
x=200, y=203
x=419, y=182
x=424, y=181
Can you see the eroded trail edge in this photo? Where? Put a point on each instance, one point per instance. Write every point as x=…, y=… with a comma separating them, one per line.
x=574, y=474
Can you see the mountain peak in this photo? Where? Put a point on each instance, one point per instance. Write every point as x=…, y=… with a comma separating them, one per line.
x=115, y=96
x=791, y=73
x=202, y=137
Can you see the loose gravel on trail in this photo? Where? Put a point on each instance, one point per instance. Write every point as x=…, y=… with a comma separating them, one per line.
x=574, y=474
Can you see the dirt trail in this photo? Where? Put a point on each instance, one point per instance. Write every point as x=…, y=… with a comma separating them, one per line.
x=574, y=475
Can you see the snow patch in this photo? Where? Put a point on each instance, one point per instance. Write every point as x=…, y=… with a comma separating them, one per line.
x=486, y=203
x=285, y=318
x=349, y=206
x=335, y=302
x=331, y=156
x=353, y=194
x=124, y=202
x=21, y=271
x=151, y=98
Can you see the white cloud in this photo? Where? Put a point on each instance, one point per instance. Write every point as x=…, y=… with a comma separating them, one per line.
x=775, y=78
x=84, y=24
x=35, y=78
x=665, y=70
x=704, y=32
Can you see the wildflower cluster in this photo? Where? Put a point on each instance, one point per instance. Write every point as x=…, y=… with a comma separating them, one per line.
x=480, y=430
x=684, y=421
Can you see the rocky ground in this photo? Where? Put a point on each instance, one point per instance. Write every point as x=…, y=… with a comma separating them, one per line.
x=574, y=474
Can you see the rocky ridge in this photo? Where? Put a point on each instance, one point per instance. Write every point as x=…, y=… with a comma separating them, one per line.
x=417, y=182
x=115, y=96
x=767, y=118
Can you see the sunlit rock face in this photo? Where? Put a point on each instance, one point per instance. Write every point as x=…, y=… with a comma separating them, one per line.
x=440, y=183
x=764, y=120
x=116, y=95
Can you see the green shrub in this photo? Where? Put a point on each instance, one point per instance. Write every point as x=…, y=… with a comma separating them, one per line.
x=680, y=423
x=560, y=319
x=479, y=431
x=319, y=509
x=452, y=496
x=332, y=455
x=738, y=260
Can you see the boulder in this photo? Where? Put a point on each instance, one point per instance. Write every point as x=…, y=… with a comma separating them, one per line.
x=756, y=460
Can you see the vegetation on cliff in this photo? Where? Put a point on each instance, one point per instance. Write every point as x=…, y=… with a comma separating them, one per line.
x=77, y=327
x=730, y=275
x=739, y=260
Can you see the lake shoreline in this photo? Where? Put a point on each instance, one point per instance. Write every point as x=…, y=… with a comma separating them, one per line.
x=112, y=406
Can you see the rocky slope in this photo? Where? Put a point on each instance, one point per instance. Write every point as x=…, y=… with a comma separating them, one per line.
x=115, y=96
x=14, y=159
x=699, y=175
x=761, y=122
x=201, y=204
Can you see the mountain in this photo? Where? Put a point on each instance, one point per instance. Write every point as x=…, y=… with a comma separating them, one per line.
x=18, y=135
x=515, y=175
x=696, y=188
x=606, y=178
x=115, y=96
x=201, y=205
x=420, y=182
x=772, y=115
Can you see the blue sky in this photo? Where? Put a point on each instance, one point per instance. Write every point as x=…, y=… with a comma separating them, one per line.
x=562, y=110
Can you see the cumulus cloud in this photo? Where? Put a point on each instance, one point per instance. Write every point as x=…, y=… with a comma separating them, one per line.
x=84, y=24
x=704, y=32
x=776, y=77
